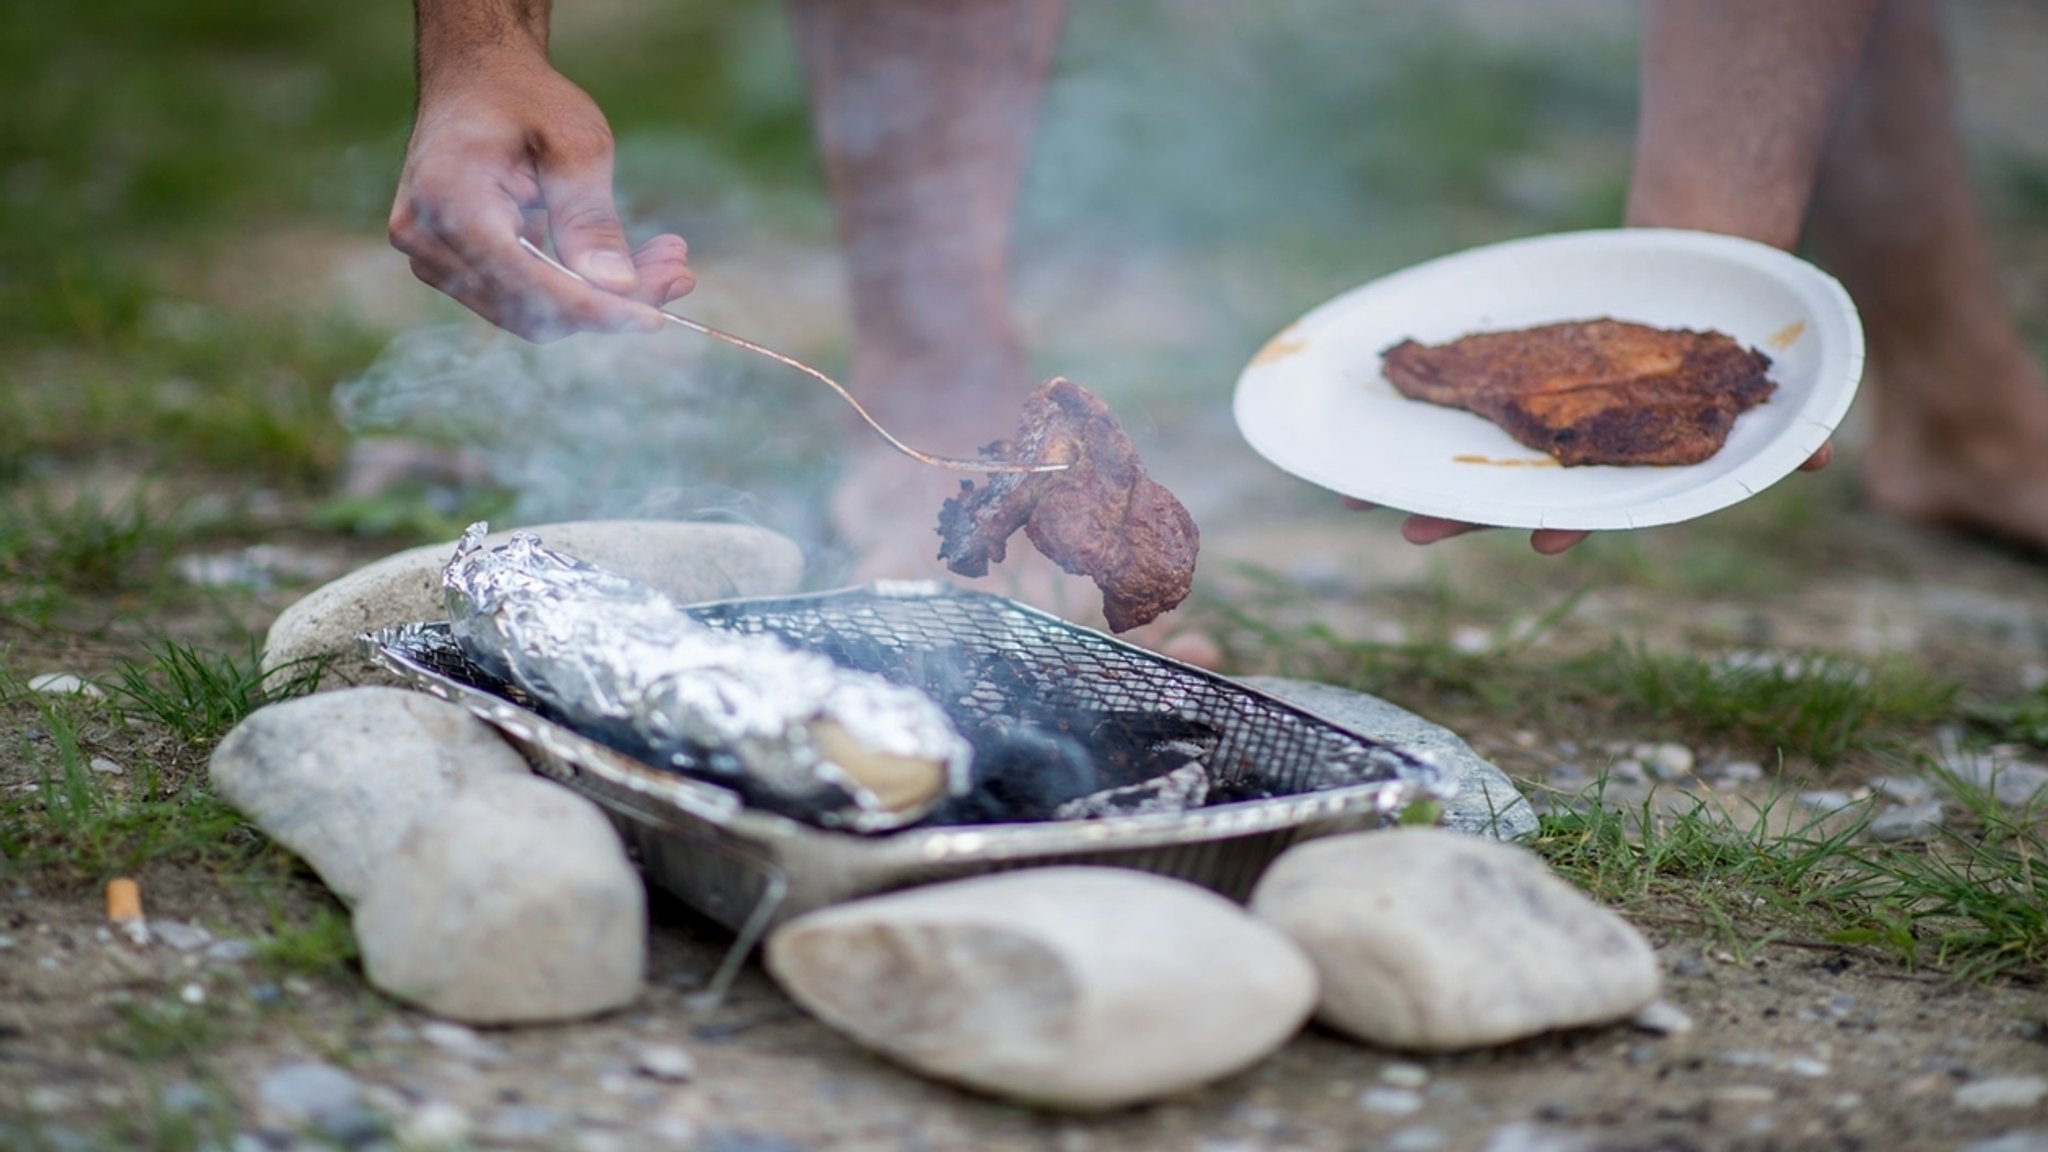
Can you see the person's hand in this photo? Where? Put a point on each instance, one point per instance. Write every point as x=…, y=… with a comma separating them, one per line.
x=505, y=146
x=1548, y=541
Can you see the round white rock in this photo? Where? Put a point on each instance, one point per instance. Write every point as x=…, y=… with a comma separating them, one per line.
x=1079, y=988
x=1433, y=940
x=339, y=778
x=513, y=902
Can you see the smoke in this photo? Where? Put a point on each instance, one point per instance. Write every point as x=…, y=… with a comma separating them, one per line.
x=638, y=427
x=1204, y=172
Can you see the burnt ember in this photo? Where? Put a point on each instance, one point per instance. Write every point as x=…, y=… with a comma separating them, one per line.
x=1103, y=517
x=1070, y=765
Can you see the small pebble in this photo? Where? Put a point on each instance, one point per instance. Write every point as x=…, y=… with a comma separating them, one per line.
x=722, y=1141
x=460, y=1041
x=1745, y=1094
x=1737, y=771
x=1524, y=1137
x=1665, y=761
x=1627, y=771
x=1257, y=1117
x=667, y=1062
x=1471, y=640
x=1911, y=823
x=2013, y=782
x=673, y=1131
x=65, y=684
x=230, y=951
x=1904, y=789
x=1663, y=1018
x=194, y=994
x=1402, y=1074
x=108, y=767
x=1806, y=1066
x=435, y=1124
x=1391, y=1101
x=2002, y=1092
x=181, y=936
x=309, y=1092
x=521, y=1122
x=1827, y=800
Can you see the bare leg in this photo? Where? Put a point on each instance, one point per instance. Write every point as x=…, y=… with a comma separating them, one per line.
x=1739, y=97
x=1961, y=430
x=924, y=111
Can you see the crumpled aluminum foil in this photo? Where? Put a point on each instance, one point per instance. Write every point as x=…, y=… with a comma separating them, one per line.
x=791, y=731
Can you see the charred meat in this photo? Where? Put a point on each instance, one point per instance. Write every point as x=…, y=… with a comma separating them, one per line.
x=1102, y=517
x=1593, y=391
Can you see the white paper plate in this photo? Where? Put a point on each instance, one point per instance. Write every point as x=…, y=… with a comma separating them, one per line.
x=1314, y=402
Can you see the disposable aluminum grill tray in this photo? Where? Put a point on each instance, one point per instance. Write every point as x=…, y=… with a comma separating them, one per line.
x=1279, y=774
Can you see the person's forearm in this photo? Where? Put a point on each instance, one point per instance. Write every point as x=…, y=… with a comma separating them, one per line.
x=455, y=33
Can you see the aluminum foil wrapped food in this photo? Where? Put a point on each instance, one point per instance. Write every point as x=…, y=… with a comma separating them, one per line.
x=789, y=731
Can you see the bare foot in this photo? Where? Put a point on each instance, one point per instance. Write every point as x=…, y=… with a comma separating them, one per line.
x=1981, y=469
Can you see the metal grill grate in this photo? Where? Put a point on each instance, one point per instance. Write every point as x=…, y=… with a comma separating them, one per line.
x=993, y=665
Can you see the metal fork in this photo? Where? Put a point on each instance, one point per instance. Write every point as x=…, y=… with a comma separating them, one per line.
x=792, y=362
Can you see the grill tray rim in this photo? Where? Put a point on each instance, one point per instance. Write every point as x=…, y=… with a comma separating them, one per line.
x=751, y=869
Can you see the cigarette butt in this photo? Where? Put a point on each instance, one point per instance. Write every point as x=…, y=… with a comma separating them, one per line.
x=124, y=900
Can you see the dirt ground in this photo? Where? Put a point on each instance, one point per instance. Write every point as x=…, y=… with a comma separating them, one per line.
x=1795, y=1044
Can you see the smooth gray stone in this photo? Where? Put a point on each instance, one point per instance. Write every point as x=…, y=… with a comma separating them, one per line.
x=1908, y=823
x=1432, y=940
x=512, y=902
x=689, y=562
x=1067, y=987
x=313, y=1094
x=2014, y=783
x=2001, y=1092
x=1486, y=803
x=340, y=777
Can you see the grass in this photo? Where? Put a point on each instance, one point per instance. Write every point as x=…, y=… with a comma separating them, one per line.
x=1640, y=859
x=1815, y=706
x=2022, y=719
x=89, y=826
x=1970, y=904
x=168, y=1030
x=89, y=544
x=319, y=944
x=199, y=695
x=79, y=826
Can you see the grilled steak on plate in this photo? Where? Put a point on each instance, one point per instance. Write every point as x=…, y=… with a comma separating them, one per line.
x=1593, y=391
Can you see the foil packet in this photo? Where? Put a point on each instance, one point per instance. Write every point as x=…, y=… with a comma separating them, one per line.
x=790, y=731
